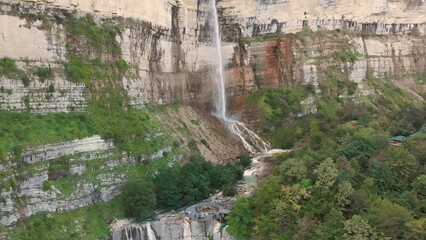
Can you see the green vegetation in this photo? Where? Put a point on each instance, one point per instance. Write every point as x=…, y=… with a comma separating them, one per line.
x=81, y=70
x=66, y=185
x=131, y=129
x=100, y=37
x=44, y=73
x=195, y=121
x=240, y=221
x=350, y=56
x=179, y=186
x=421, y=78
x=138, y=199
x=344, y=181
x=195, y=181
x=84, y=223
x=22, y=130
x=9, y=69
x=277, y=104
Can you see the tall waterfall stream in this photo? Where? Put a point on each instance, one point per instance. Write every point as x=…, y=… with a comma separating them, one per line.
x=253, y=143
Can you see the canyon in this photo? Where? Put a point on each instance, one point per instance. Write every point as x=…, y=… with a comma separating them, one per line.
x=168, y=47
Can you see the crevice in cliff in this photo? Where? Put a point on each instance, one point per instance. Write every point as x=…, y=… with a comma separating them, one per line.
x=178, y=57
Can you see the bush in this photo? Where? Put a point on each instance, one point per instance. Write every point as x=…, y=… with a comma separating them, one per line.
x=362, y=145
x=9, y=69
x=51, y=88
x=44, y=73
x=244, y=161
x=100, y=37
x=229, y=190
x=77, y=70
x=347, y=56
x=138, y=199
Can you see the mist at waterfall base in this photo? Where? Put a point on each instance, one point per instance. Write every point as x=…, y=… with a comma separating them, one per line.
x=253, y=143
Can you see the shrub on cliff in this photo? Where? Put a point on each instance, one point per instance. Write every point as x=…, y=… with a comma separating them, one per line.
x=138, y=199
x=9, y=69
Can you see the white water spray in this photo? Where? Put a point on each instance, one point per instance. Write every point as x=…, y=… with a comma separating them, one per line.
x=250, y=140
x=133, y=232
x=150, y=233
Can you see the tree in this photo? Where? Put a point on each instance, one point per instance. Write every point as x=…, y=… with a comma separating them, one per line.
x=264, y=196
x=417, y=229
x=326, y=174
x=402, y=163
x=281, y=219
x=194, y=184
x=244, y=161
x=412, y=115
x=362, y=144
x=332, y=228
x=344, y=194
x=240, y=220
x=395, y=169
x=357, y=228
x=167, y=188
x=419, y=186
x=138, y=199
x=390, y=218
x=418, y=148
x=292, y=170
x=360, y=201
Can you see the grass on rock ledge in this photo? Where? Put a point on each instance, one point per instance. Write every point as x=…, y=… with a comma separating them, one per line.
x=84, y=223
x=22, y=130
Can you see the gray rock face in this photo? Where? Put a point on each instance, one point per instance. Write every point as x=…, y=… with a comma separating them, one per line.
x=66, y=97
x=36, y=191
x=8, y=212
x=52, y=151
x=168, y=43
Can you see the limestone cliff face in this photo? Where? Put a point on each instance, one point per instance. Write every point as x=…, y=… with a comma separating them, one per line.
x=170, y=64
x=33, y=194
x=168, y=42
x=304, y=59
x=289, y=16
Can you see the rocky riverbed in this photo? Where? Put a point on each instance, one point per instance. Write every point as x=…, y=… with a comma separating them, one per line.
x=180, y=225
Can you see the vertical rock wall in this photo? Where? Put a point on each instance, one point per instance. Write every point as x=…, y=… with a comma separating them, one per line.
x=168, y=43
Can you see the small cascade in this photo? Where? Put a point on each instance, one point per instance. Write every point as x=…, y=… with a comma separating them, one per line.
x=257, y=168
x=133, y=232
x=250, y=140
x=253, y=143
x=149, y=232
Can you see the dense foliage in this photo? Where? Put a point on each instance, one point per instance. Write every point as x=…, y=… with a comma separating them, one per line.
x=345, y=180
x=179, y=186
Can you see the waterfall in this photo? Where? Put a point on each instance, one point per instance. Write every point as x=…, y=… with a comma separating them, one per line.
x=250, y=140
x=150, y=233
x=133, y=232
